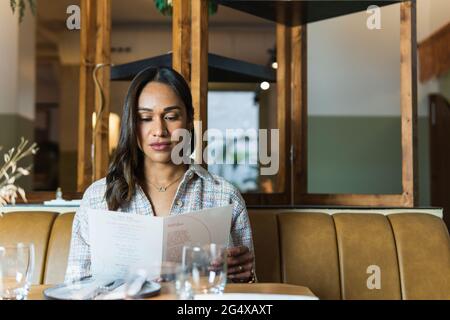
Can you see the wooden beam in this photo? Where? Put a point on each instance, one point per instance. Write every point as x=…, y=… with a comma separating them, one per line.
x=181, y=37
x=434, y=54
x=408, y=92
x=283, y=43
x=267, y=198
x=87, y=93
x=380, y=200
x=199, y=72
x=38, y=197
x=299, y=131
x=102, y=99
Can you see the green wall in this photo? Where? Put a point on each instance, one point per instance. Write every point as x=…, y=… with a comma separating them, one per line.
x=444, y=84
x=361, y=155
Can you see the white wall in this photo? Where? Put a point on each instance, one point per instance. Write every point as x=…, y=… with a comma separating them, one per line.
x=354, y=71
x=439, y=13
x=17, y=63
x=9, y=59
x=27, y=67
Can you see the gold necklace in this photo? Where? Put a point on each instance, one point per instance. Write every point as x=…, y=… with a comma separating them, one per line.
x=162, y=188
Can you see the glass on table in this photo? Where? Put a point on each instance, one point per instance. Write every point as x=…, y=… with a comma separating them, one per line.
x=16, y=270
x=204, y=271
x=158, y=279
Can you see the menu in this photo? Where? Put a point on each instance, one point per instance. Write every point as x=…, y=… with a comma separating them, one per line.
x=121, y=242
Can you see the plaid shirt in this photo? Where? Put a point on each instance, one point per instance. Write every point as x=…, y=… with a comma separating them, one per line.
x=199, y=189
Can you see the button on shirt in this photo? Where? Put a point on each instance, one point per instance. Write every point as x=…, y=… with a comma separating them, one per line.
x=199, y=189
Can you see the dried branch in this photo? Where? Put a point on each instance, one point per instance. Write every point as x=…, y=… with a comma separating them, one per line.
x=10, y=172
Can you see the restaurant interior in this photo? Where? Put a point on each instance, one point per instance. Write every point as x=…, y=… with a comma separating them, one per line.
x=348, y=189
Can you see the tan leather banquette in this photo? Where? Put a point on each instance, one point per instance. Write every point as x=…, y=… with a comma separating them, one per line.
x=338, y=255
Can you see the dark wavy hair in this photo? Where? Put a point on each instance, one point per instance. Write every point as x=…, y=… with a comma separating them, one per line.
x=126, y=168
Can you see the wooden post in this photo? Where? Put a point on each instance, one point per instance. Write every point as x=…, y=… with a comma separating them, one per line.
x=181, y=37
x=283, y=40
x=408, y=87
x=102, y=99
x=375, y=200
x=299, y=122
x=87, y=93
x=199, y=72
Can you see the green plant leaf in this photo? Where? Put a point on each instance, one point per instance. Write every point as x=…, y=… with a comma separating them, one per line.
x=32, y=5
x=166, y=7
x=21, y=6
x=21, y=10
x=13, y=5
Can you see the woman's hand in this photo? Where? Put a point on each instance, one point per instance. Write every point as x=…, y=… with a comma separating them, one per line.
x=240, y=264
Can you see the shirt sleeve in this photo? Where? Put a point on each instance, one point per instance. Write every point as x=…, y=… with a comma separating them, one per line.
x=79, y=261
x=241, y=231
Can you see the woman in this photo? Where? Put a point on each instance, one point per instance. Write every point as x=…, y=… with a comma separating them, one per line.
x=143, y=179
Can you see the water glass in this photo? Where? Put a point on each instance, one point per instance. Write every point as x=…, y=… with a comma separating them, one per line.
x=165, y=274
x=16, y=270
x=204, y=271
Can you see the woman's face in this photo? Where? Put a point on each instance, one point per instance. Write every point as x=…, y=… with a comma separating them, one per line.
x=160, y=113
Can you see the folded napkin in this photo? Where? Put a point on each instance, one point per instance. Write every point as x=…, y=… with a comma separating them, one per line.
x=83, y=290
x=62, y=202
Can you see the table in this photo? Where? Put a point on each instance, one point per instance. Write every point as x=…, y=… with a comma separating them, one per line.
x=273, y=288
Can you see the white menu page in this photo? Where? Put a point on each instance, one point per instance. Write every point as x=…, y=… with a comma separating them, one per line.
x=121, y=241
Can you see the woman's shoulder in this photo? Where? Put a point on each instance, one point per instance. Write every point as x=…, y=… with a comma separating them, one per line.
x=221, y=189
x=224, y=184
x=230, y=192
x=215, y=182
x=94, y=195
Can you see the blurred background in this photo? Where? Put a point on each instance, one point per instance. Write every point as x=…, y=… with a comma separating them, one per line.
x=353, y=92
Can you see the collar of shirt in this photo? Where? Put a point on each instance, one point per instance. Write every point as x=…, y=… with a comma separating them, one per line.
x=200, y=171
x=194, y=169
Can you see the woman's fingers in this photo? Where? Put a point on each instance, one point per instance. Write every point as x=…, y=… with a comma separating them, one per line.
x=241, y=269
x=237, y=251
x=240, y=260
x=244, y=276
x=240, y=263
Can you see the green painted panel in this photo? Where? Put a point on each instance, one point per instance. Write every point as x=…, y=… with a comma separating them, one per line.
x=444, y=84
x=361, y=155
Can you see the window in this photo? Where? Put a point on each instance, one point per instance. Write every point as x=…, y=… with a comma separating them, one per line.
x=235, y=116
